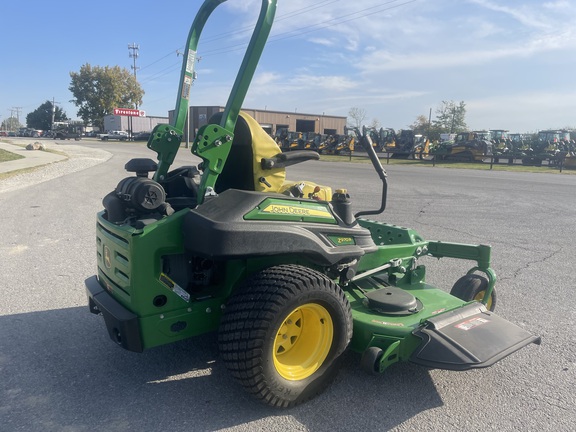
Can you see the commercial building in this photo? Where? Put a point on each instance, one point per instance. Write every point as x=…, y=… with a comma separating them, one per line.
x=272, y=121
x=136, y=124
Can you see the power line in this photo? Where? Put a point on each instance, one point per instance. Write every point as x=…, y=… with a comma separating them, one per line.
x=286, y=16
x=247, y=28
x=320, y=26
x=293, y=33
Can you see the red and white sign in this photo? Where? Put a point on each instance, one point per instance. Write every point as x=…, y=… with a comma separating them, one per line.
x=129, y=112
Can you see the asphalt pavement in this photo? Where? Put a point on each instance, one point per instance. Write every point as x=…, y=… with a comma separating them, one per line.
x=61, y=372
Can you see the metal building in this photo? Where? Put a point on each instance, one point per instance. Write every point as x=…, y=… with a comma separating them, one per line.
x=139, y=124
x=271, y=121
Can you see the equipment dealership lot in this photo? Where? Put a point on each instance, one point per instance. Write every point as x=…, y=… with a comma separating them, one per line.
x=61, y=372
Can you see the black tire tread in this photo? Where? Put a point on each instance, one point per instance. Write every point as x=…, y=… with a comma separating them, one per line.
x=468, y=286
x=249, y=315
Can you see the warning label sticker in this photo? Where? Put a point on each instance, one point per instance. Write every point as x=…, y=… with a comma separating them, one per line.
x=471, y=323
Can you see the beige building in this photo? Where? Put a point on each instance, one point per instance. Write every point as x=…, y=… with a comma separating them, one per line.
x=272, y=121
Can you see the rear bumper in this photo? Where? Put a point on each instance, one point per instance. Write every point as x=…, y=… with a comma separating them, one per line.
x=122, y=325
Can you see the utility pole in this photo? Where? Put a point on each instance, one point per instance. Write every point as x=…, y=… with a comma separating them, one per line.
x=17, y=109
x=134, y=55
x=53, y=113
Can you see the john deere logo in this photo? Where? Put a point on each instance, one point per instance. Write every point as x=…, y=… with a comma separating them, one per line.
x=107, y=257
x=296, y=211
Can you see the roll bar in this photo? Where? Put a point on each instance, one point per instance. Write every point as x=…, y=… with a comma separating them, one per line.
x=213, y=141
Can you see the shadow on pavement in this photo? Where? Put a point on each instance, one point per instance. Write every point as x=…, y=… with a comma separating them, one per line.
x=61, y=372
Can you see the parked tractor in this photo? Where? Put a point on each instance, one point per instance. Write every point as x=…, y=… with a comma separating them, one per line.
x=466, y=147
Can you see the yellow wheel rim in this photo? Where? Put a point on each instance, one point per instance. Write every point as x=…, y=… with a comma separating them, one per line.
x=480, y=296
x=303, y=341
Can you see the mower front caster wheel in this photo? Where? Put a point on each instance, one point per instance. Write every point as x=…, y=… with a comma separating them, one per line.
x=282, y=333
x=370, y=361
x=473, y=287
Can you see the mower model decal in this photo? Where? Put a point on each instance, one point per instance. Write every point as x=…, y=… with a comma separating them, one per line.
x=174, y=287
x=471, y=323
x=386, y=323
x=436, y=312
x=342, y=241
x=296, y=211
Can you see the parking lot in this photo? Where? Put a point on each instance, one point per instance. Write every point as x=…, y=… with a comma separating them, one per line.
x=60, y=371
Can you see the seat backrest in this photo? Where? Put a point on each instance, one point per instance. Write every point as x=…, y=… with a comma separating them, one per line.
x=243, y=169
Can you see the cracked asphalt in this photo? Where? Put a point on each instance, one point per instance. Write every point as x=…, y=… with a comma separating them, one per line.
x=60, y=371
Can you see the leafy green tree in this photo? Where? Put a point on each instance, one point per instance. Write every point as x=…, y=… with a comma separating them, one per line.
x=420, y=125
x=41, y=117
x=451, y=117
x=11, y=124
x=98, y=90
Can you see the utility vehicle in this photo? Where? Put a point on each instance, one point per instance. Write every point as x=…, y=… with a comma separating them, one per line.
x=284, y=271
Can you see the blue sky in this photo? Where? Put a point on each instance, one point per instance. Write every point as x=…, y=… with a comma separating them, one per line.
x=512, y=62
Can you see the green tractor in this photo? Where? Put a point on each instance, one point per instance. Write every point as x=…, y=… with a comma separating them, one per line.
x=284, y=271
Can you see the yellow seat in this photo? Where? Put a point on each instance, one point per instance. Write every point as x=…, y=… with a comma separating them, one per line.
x=247, y=168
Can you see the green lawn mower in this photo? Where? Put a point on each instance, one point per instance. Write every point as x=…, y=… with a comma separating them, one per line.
x=284, y=271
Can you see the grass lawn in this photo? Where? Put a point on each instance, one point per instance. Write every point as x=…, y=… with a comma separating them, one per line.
x=363, y=158
x=6, y=156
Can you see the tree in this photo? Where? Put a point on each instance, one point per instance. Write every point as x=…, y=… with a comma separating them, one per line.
x=451, y=118
x=421, y=125
x=41, y=117
x=98, y=90
x=11, y=124
x=375, y=123
x=358, y=116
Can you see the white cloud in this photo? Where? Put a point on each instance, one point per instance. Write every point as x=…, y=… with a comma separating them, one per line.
x=378, y=61
x=525, y=15
x=322, y=41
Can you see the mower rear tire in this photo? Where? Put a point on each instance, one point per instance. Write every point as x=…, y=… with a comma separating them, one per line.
x=282, y=333
x=473, y=287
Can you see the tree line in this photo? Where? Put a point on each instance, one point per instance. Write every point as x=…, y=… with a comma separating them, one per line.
x=96, y=92
x=450, y=117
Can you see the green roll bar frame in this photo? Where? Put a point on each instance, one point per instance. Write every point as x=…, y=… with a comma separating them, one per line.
x=213, y=141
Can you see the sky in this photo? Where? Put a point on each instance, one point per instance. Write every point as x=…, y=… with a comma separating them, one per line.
x=512, y=62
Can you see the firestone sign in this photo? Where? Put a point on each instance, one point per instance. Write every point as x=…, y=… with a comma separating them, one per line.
x=129, y=112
